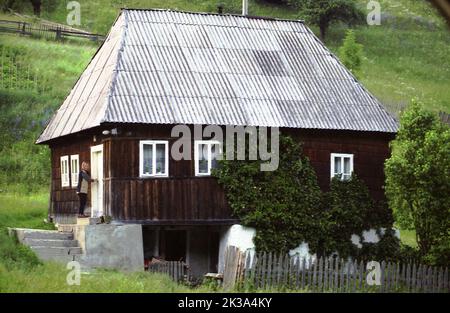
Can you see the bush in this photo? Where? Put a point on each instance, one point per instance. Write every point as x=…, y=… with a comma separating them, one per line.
x=417, y=181
x=408, y=254
x=15, y=255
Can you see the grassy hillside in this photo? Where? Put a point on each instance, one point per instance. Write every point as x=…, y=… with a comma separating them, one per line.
x=407, y=56
x=36, y=76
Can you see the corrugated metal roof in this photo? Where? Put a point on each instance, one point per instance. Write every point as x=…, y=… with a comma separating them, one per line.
x=169, y=67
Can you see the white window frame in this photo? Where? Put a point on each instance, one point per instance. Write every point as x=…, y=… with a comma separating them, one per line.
x=341, y=156
x=74, y=170
x=65, y=170
x=141, y=158
x=196, y=156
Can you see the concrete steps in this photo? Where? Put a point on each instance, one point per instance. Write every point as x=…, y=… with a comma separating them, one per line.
x=43, y=234
x=50, y=244
x=57, y=253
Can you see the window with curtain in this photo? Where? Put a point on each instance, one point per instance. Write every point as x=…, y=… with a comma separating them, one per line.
x=153, y=158
x=206, y=154
x=342, y=165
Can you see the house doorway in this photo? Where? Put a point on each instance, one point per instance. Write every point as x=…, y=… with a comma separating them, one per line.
x=97, y=186
x=174, y=245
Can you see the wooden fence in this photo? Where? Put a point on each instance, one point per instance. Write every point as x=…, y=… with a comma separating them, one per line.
x=284, y=272
x=46, y=30
x=178, y=271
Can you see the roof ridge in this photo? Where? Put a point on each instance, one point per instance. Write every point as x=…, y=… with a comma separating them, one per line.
x=266, y=18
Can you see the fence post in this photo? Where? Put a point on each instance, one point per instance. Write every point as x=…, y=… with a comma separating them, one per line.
x=303, y=272
x=446, y=286
x=263, y=271
x=342, y=276
x=361, y=275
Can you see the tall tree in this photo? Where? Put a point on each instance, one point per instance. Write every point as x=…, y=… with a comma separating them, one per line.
x=324, y=12
x=418, y=180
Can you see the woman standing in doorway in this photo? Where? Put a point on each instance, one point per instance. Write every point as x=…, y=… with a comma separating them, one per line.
x=83, y=185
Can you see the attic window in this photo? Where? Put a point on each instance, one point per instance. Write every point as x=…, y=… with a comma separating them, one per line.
x=153, y=158
x=206, y=155
x=65, y=180
x=341, y=164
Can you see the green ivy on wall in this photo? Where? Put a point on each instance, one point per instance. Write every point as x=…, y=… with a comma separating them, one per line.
x=287, y=207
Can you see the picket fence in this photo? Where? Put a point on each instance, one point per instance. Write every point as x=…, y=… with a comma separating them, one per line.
x=283, y=272
x=178, y=271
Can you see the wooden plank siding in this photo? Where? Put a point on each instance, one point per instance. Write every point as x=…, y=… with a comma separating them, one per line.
x=370, y=151
x=166, y=200
x=183, y=198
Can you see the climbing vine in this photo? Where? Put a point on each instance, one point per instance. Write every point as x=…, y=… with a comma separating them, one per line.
x=280, y=204
x=350, y=210
x=287, y=207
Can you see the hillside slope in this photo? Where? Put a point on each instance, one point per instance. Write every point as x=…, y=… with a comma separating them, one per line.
x=407, y=56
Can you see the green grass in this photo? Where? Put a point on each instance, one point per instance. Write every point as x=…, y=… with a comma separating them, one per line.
x=404, y=65
x=20, y=211
x=54, y=68
x=58, y=64
x=51, y=277
x=99, y=15
x=25, y=211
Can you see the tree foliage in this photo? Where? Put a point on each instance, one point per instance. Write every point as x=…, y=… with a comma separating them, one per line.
x=351, y=53
x=418, y=181
x=325, y=12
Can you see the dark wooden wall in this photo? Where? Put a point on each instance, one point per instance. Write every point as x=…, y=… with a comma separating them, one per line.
x=183, y=198
x=370, y=150
x=64, y=200
x=178, y=199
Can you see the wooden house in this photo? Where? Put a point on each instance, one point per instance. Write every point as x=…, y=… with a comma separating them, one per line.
x=160, y=68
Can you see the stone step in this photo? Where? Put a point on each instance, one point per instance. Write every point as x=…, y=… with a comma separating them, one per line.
x=83, y=221
x=46, y=234
x=68, y=228
x=50, y=242
x=49, y=253
x=63, y=258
